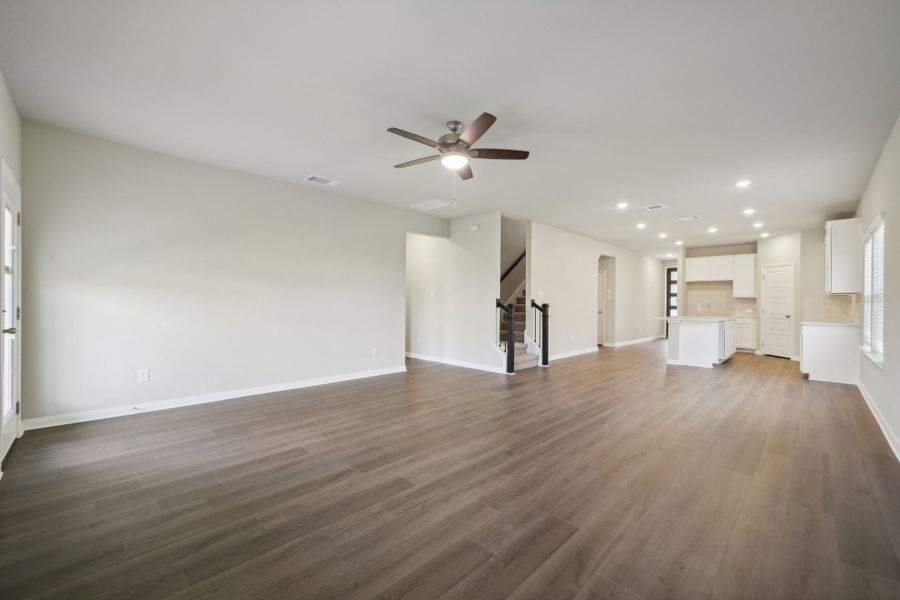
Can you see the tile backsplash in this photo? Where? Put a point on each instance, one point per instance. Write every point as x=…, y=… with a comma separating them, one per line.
x=843, y=309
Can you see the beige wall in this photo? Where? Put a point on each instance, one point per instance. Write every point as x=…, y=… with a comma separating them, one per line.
x=563, y=267
x=452, y=285
x=882, y=196
x=10, y=131
x=213, y=280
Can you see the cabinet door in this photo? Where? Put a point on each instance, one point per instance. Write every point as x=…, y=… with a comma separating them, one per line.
x=744, y=276
x=843, y=256
x=696, y=269
x=721, y=268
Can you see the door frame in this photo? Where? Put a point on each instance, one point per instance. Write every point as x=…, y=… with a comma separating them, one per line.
x=601, y=305
x=763, y=317
x=9, y=184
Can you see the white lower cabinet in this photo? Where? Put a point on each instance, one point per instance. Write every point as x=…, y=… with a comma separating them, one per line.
x=745, y=333
x=830, y=351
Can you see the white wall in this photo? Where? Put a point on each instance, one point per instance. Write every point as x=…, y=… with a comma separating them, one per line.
x=778, y=250
x=563, y=272
x=882, y=195
x=212, y=279
x=451, y=289
x=10, y=131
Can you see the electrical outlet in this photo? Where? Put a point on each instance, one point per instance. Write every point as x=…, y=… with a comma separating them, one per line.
x=143, y=375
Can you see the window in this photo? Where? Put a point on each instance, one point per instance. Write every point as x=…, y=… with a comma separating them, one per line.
x=671, y=295
x=672, y=292
x=873, y=292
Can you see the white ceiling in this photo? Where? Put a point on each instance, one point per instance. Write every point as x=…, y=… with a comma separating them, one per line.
x=655, y=102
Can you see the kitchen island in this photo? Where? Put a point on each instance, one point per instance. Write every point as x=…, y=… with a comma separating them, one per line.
x=700, y=341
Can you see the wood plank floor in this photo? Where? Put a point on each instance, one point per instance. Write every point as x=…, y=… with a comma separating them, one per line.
x=604, y=476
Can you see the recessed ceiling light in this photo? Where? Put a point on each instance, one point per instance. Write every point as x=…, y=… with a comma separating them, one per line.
x=758, y=224
x=678, y=243
x=743, y=183
x=641, y=225
x=713, y=229
x=670, y=255
x=663, y=235
x=749, y=211
x=764, y=235
x=622, y=205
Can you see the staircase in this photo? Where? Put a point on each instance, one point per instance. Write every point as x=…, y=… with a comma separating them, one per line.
x=523, y=358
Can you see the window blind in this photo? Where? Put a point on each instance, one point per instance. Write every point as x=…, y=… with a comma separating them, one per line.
x=878, y=290
x=873, y=290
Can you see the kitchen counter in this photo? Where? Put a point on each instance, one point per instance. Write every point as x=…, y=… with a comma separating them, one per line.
x=829, y=351
x=712, y=318
x=701, y=341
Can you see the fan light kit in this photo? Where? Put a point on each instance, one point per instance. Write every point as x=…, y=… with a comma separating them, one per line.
x=455, y=149
x=454, y=160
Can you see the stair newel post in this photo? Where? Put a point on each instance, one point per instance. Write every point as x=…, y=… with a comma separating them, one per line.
x=510, y=338
x=545, y=334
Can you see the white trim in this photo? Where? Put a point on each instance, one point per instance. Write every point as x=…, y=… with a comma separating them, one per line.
x=892, y=440
x=795, y=358
x=458, y=363
x=133, y=409
x=637, y=341
x=573, y=353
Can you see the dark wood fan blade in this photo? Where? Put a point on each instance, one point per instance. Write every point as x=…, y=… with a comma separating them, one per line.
x=414, y=137
x=473, y=132
x=499, y=153
x=418, y=161
x=465, y=172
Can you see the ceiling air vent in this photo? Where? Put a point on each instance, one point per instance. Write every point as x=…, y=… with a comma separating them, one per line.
x=688, y=218
x=322, y=180
x=430, y=205
x=655, y=207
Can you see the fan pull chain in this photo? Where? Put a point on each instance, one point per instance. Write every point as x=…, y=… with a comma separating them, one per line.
x=453, y=189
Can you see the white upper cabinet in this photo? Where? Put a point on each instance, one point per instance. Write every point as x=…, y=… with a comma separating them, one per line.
x=721, y=268
x=843, y=256
x=709, y=268
x=744, y=276
x=696, y=268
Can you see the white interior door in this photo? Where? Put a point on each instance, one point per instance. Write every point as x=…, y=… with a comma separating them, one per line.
x=9, y=302
x=777, y=309
x=601, y=306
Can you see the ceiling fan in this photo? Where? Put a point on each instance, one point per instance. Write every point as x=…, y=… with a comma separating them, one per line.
x=455, y=148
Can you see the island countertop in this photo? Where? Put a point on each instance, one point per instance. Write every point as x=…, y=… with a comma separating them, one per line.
x=711, y=319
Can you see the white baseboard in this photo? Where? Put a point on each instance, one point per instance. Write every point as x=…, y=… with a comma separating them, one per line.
x=892, y=439
x=573, y=353
x=795, y=358
x=457, y=363
x=637, y=341
x=136, y=409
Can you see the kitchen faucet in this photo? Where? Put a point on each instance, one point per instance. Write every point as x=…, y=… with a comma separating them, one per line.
x=700, y=308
